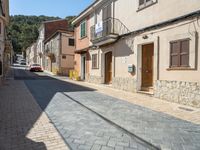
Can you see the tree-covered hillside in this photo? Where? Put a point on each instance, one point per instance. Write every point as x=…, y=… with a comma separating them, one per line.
x=23, y=30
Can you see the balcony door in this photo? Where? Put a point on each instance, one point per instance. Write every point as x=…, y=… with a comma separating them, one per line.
x=107, y=24
x=107, y=12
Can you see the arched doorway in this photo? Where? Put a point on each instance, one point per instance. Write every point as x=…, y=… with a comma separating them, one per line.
x=108, y=68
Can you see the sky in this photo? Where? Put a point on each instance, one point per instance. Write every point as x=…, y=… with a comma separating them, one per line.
x=60, y=8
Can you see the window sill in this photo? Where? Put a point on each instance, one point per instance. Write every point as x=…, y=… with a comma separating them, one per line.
x=180, y=68
x=145, y=6
x=95, y=68
x=83, y=37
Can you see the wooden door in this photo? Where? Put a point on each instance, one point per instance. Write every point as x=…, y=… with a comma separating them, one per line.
x=147, y=65
x=108, y=68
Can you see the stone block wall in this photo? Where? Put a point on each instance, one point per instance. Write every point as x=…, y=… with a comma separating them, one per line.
x=94, y=79
x=187, y=93
x=126, y=84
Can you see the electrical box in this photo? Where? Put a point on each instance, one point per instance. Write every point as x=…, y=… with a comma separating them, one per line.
x=131, y=68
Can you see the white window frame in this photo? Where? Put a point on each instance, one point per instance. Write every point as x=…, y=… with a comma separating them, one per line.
x=69, y=42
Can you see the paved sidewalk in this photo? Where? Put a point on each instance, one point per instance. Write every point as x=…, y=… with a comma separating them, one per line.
x=23, y=125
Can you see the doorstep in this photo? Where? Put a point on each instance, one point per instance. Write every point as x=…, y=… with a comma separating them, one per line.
x=149, y=93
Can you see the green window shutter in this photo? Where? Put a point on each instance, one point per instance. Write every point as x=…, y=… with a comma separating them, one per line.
x=83, y=29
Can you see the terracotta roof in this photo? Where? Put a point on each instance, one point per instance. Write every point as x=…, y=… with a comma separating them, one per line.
x=55, y=33
x=52, y=26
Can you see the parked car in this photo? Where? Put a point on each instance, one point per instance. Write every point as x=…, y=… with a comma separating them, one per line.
x=36, y=68
x=23, y=63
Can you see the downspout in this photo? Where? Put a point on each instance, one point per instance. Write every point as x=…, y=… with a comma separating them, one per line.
x=114, y=61
x=113, y=16
x=60, y=51
x=158, y=58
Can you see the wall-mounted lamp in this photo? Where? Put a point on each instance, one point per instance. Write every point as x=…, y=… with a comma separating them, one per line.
x=94, y=47
x=145, y=37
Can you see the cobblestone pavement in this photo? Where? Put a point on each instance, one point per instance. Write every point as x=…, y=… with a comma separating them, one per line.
x=160, y=129
x=23, y=125
x=84, y=130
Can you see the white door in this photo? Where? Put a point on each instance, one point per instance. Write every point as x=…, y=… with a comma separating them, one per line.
x=83, y=67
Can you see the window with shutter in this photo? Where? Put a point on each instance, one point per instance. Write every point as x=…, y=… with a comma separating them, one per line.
x=141, y=2
x=184, y=53
x=179, y=53
x=107, y=12
x=94, y=61
x=145, y=3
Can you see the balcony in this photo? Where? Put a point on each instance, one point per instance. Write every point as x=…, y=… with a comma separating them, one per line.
x=107, y=31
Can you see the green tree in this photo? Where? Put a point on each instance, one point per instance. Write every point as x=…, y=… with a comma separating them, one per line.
x=23, y=30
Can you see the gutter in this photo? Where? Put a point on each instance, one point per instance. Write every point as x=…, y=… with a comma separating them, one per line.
x=55, y=33
x=81, y=15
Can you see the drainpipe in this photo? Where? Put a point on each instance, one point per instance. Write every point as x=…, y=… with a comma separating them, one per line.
x=113, y=16
x=60, y=51
x=158, y=58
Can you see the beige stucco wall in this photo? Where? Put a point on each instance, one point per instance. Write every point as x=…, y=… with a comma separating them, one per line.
x=66, y=49
x=135, y=19
x=128, y=51
x=82, y=43
x=161, y=11
x=60, y=47
x=68, y=63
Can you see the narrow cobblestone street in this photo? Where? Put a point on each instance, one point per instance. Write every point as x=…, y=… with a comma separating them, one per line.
x=85, y=118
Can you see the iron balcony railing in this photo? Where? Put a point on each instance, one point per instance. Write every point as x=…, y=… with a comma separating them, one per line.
x=110, y=26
